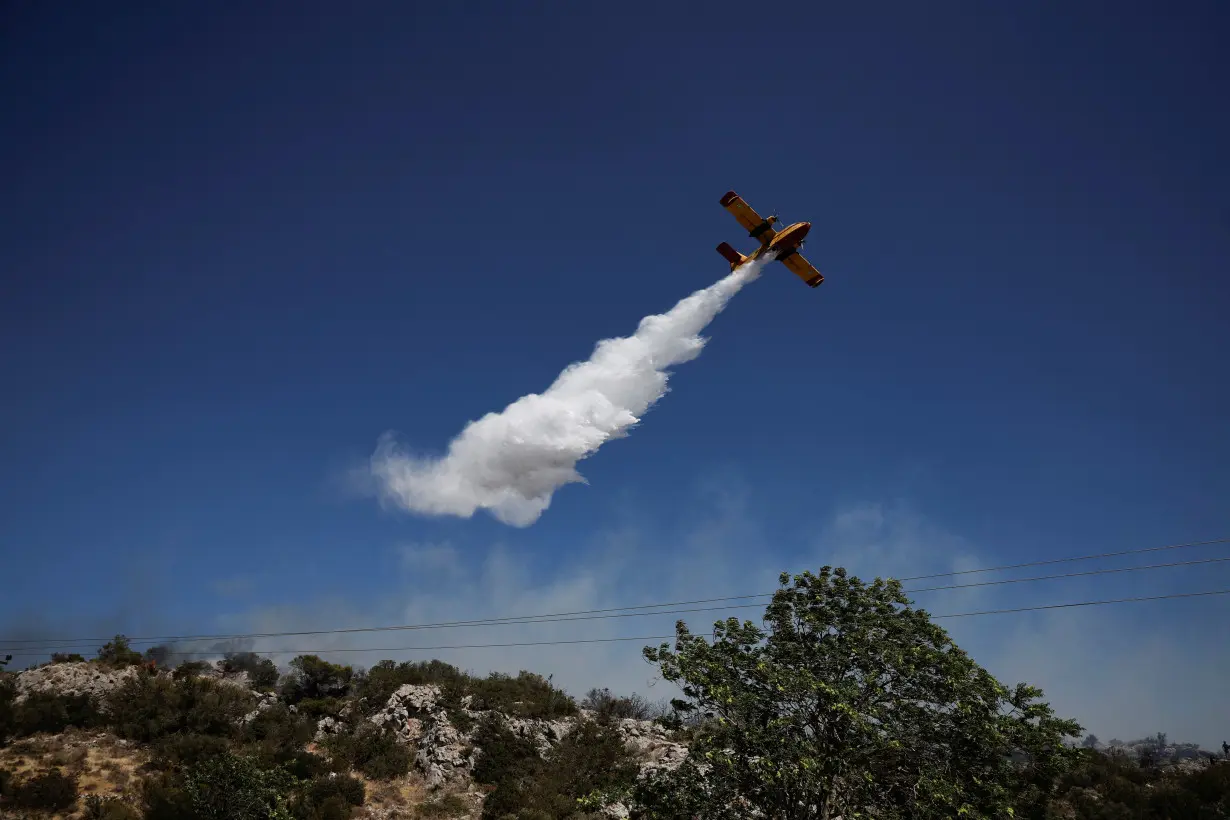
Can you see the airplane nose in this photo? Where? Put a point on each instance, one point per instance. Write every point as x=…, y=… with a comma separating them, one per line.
x=803, y=229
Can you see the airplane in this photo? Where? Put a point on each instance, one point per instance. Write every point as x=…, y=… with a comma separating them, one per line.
x=785, y=243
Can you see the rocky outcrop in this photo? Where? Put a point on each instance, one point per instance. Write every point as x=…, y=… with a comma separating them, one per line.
x=73, y=679
x=444, y=754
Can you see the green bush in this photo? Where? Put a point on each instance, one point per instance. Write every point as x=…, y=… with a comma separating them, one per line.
x=233, y=787
x=8, y=693
x=527, y=695
x=325, y=798
x=312, y=677
x=386, y=677
x=69, y=657
x=163, y=798
x=276, y=736
x=608, y=707
x=590, y=759
x=182, y=750
x=118, y=653
x=190, y=669
x=50, y=792
x=449, y=805
x=53, y=713
x=147, y=708
x=317, y=708
x=372, y=750
x=262, y=672
x=108, y=808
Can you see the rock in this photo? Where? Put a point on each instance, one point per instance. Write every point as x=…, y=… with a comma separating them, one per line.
x=73, y=679
x=326, y=727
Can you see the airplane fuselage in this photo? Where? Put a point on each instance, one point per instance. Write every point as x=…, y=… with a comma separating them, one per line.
x=785, y=243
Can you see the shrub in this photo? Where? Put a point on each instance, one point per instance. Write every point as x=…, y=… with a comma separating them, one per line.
x=109, y=808
x=527, y=695
x=312, y=677
x=372, y=750
x=147, y=708
x=325, y=798
x=608, y=707
x=190, y=669
x=386, y=677
x=262, y=672
x=53, y=713
x=232, y=787
x=118, y=653
x=276, y=736
x=591, y=759
x=182, y=750
x=70, y=657
x=163, y=798
x=53, y=791
x=6, y=781
x=449, y=805
x=318, y=708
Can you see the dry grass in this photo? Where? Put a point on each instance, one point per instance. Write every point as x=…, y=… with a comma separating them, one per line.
x=104, y=765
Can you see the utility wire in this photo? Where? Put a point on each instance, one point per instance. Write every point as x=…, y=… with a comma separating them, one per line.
x=546, y=619
x=67, y=643
x=325, y=651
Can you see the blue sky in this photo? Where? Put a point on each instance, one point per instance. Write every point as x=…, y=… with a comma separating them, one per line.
x=239, y=244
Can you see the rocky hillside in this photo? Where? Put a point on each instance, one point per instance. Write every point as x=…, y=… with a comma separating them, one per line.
x=96, y=739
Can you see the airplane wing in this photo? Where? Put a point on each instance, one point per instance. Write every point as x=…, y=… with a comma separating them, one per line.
x=803, y=269
x=751, y=221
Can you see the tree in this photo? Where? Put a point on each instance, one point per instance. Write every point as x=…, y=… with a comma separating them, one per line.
x=851, y=704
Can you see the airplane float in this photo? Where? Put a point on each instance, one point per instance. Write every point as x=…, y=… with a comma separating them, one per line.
x=784, y=243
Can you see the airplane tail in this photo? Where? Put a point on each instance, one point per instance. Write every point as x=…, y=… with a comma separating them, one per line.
x=732, y=256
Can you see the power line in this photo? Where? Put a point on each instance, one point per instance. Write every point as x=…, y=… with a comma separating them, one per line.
x=606, y=614
x=66, y=643
x=325, y=651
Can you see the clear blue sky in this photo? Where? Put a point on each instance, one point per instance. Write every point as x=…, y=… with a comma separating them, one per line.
x=239, y=242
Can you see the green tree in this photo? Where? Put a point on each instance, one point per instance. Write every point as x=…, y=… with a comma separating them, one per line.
x=117, y=652
x=851, y=704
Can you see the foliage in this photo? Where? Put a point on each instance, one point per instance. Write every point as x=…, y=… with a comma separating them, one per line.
x=190, y=669
x=52, y=791
x=386, y=677
x=312, y=678
x=591, y=759
x=147, y=708
x=276, y=737
x=447, y=805
x=118, y=653
x=372, y=750
x=234, y=787
x=527, y=695
x=108, y=808
x=1114, y=787
x=851, y=702
x=608, y=707
x=67, y=657
x=262, y=672
x=182, y=750
x=52, y=713
x=325, y=798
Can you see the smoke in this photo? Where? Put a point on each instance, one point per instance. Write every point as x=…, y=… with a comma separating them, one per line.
x=511, y=463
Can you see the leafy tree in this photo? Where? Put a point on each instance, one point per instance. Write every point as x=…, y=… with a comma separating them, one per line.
x=117, y=652
x=262, y=672
x=314, y=678
x=231, y=787
x=851, y=704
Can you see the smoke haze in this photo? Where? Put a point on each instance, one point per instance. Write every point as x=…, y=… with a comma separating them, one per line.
x=512, y=462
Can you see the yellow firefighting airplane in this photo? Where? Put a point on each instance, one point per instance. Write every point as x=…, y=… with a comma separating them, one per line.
x=784, y=243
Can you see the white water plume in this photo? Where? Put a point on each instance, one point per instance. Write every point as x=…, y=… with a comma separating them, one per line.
x=511, y=463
